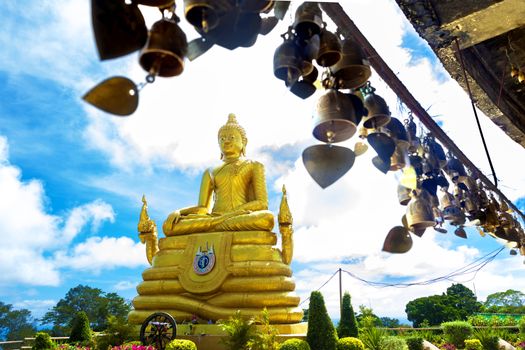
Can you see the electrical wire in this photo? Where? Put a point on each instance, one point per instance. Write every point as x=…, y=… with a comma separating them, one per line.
x=472, y=268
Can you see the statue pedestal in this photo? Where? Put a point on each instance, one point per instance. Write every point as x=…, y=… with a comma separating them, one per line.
x=212, y=275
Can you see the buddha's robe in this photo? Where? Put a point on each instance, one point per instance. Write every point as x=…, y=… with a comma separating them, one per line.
x=240, y=201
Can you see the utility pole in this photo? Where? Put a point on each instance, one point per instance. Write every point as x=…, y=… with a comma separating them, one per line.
x=340, y=294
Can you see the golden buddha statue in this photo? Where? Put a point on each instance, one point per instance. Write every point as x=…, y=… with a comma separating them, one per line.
x=217, y=259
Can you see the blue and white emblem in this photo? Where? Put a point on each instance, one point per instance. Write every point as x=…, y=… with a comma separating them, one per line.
x=204, y=261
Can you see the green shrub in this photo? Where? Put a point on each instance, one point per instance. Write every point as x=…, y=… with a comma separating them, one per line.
x=43, y=341
x=241, y=332
x=488, y=338
x=372, y=337
x=181, y=344
x=265, y=337
x=350, y=343
x=473, y=344
x=456, y=332
x=414, y=342
x=521, y=326
x=80, y=330
x=347, y=326
x=118, y=332
x=321, y=334
x=294, y=344
x=393, y=343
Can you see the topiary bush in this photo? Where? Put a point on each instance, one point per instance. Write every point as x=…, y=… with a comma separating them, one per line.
x=347, y=326
x=321, y=334
x=414, y=342
x=43, y=341
x=393, y=343
x=181, y=344
x=456, y=332
x=473, y=344
x=294, y=344
x=80, y=330
x=488, y=338
x=350, y=343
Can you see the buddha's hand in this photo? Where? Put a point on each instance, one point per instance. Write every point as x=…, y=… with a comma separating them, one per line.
x=172, y=219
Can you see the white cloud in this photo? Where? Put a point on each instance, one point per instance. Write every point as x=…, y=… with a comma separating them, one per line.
x=103, y=253
x=37, y=307
x=125, y=285
x=30, y=233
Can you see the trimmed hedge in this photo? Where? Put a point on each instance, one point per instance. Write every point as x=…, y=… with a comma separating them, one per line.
x=456, y=332
x=321, y=334
x=80, y=330
x=473, y=344
x=294, y=344
x=347, y=326
x=414, y=343
x=350, y=343
x=393, y=343
x=181, y=344
x=43, y=341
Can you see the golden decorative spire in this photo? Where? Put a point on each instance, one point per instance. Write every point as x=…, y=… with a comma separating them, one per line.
x=285, y=216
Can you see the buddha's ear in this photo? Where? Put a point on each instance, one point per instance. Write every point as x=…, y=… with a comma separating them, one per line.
x=222, y=156
x=243, y=151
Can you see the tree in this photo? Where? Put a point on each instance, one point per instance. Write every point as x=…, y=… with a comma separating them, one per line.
x=457, y=303
x=348, y=324
x=390, y=322
x=97, y=305
x=509, y=301
x=366, y=315
x=463, y=300
x=80, y=330
x=15, y=324
x=321, y=334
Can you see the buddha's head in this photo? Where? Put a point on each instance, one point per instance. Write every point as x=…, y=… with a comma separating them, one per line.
x=232, y=139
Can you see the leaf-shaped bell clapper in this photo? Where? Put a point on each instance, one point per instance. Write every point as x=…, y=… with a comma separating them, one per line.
x=329, y=49
x=360, y=146
x=308, y=21
x=327, y=163
x=116, y=95
x=460, y=232
x=382, y=143
x=419, y=212
x=336, y=117
x=165, y=50
x=119, y=28
x=353, y=69
x=398, y=240
x=378, y=111
x=287, y=62
x=204, y=15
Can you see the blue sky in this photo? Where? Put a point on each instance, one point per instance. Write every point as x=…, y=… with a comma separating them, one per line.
x=71, y=177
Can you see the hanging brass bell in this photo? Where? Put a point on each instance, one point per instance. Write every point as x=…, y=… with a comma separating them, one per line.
x=454, y=168
x=335, y=119
x=400, y=157
x=419, y=212
x=398, y=240
x=257, y=6
x=305, y=87
x=287, y=63
x=396, y=129
x=403, y=194
x=165, y=50
x=383, y=165
x=378, y=111
x=329, y=49
x=308, y=20
x=352, y=70
x=163, y=4
x=204, y=15
x=382, y=144
x=119, y=28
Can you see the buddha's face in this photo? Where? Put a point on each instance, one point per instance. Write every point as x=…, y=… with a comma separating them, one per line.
x=230, y=142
